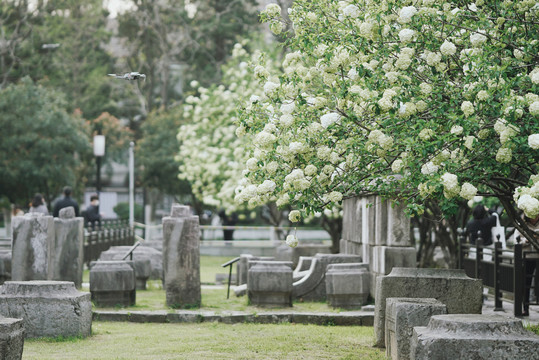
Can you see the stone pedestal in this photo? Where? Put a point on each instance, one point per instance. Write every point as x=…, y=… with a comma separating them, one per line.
x=67, y=249
x=347, y=285
x=32, y=236
x=270, y=283
x=242, y=266
x=112, y=283
x=286, y=253
x=48, y=308
x=11, y=338
x=181, y=258
x=402, y=315
x=461, y=294
x=471, y=336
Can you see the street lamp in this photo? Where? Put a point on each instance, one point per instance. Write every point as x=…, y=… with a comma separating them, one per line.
x=99, y=152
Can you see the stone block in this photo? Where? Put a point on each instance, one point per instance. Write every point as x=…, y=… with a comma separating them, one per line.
x=398, y=226
x=5, y=266
x=33, y=235
x=48, y=308
x=347, y=285
x=461, y=294
x=242, y=266
x=140, y=253
x=11, y=338
x=369, y=229
x=380, y=222
x=402, y=315
x=269, y=283
x=112, y=283
x=470, y=336
x=67, y=247
x=385, y=258
x=181, y=258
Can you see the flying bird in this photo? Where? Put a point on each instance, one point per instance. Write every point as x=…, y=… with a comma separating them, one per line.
x=129, y=76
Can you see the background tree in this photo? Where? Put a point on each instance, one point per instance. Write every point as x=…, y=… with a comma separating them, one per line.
x=41, y=145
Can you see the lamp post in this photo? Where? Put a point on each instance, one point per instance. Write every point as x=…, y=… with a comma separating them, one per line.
x=99, y=152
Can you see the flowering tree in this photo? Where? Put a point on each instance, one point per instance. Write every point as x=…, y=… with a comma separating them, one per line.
x=414, y=100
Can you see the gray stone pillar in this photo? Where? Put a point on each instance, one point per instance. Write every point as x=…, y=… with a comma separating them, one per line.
x=32, y=237
x=181, y=258
x=398, y=226
x=380, y=234
x=67, y=248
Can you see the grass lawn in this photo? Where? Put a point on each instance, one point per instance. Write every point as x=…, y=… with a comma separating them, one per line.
x=113, y=340
x=117, y=340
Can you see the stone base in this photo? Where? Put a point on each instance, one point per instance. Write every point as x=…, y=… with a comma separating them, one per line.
x=470, y=336
x=11, y=338
x=271, y=299
x=114, y=298
x=48, y=308
x=347, y=285
x=269, y=283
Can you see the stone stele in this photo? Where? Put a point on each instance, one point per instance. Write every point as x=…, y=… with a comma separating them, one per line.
x=460, y=293
x=473, y=336
x=48, y=308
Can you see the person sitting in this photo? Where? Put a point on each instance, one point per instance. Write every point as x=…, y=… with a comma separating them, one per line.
x=38, y=205
x=65, y=202
x=92, y=216
x=481, y=223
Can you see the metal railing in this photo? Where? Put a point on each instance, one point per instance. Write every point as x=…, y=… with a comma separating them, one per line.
x=106, y=234
x=501, y=270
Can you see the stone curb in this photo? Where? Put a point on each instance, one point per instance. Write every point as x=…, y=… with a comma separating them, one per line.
x=352, y=318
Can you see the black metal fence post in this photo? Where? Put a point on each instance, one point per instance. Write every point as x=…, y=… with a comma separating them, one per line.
x=461, y=242
x=498, y=306
x=478, y=256
x=519, y=281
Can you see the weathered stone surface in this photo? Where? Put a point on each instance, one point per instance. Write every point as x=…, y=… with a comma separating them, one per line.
x=461, y=294
x=305, y=249
x=33, y=235
x=380, y=221
x=67, y=213
x=313, y=285
x=386, y=258
x=11, y=338
x=112, y=283
x=67, y=256
x=469, y=336
x=242, y=266
x=5, y=266
x=269, y=283
x=347, y=285
x=180, y=211
x=402, y=315
x=147, y=262
x=181, y=258
x=398, y=226
x=48, y=308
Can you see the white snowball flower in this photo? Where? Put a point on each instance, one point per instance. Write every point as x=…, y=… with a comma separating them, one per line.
x=351, y=11
x=270, y=87
x=286, y=120
x=429, y=168
x=334, y=196
x=268, y=186
x=468, y=191
x=292, y=241
x=406, y=13
x=288, y=107
x=397, y=165
x=534, y=108
x=467, y=108
x=448, y=48
x=310, y=170
x=329, y=119
x=504, y=155
x=529, y=205
x=294, y=216
x=273, y=11
x=477, y=39
x=406, y=35
x=296, y=147
x=534, y=75
x=533, y=141
x=456, y=130
x=252, y=164
x=468, y=142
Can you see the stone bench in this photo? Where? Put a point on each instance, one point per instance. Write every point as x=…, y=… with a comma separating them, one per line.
x=140, y=253
x=48, y=308
x=473, y=336
x=402, y=315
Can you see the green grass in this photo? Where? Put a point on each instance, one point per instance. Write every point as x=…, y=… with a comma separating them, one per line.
x=113, y=340
x=533, y=328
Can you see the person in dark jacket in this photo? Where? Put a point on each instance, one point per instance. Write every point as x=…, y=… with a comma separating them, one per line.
x=92, y=216
x=65, y=202
x=482, y=221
